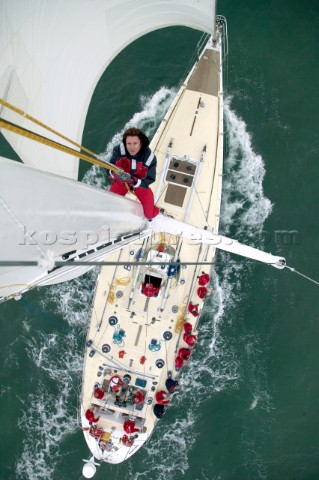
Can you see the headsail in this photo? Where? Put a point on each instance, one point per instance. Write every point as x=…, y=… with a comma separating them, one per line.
x=52, y=54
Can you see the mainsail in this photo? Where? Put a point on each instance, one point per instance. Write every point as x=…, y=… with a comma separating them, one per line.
x=53, y=52
x=45, y=216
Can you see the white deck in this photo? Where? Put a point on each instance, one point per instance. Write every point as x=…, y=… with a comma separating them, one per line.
x=189, y=137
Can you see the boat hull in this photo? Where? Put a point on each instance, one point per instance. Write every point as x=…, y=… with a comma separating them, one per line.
x=144, y=335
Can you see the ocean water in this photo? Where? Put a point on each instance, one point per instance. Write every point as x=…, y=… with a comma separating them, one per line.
x=248, y=406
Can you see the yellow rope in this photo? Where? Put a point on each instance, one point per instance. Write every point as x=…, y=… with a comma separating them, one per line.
x=111, y=295
x=118, y=281
x=51, y=143
x=15, y=285
x=180, y=321
x=34, y=120
x=122, y=281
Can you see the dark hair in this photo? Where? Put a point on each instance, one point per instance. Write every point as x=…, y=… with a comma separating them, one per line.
x=133, y=132
x=136, y=132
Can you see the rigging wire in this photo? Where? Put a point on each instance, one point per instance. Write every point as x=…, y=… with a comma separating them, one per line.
x=302, y=275
x=202, y=208
x=35, y=263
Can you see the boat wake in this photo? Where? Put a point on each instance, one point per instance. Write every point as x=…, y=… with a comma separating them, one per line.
x=50, y=413
x=244, y=206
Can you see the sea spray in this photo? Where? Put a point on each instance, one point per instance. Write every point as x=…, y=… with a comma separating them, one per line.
x=50, y=413
x=244, y=206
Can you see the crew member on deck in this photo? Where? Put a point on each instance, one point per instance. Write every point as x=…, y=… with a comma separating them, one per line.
x=149, y=290
x=134, y=156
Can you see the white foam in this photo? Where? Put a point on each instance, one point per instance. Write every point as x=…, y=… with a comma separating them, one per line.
x=172, y=442
x=47, y=420
x=243, y=200
x=50, y=413
x=72, y=299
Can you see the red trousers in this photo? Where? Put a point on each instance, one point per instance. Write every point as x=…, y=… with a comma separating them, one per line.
x=145, y=196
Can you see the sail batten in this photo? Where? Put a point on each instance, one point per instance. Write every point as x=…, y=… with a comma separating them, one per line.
x=52, y=54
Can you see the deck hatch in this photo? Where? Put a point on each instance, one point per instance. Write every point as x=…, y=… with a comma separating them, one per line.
x=181, y=172
x=179, y=178
x=175, y=195
x=182, y=166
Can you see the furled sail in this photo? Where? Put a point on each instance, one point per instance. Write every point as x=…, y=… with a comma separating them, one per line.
x=44, y=216
x=53, y=52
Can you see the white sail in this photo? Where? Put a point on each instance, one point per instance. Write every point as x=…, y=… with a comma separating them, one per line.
x=53, y=52
x=43, y=215
x=199, y=235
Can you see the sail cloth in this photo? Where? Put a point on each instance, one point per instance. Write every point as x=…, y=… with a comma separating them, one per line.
x=43, y=214
x=53, y=52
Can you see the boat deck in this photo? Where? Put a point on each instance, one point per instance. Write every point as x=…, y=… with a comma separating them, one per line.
x=137, y=329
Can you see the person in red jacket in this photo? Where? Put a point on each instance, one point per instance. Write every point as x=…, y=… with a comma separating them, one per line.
x=162, y=397
x=134, y=156
x=149, y=290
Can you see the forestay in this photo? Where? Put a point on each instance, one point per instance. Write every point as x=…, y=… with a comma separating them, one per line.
x=53, y=52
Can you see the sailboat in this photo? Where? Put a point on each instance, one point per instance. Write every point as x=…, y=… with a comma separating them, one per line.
x=148, y=300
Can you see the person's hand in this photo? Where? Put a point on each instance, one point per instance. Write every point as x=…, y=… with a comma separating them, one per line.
x=132, y=181
x=124, y=163
x=113, y=176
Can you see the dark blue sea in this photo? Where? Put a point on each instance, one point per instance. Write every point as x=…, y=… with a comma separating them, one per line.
x=248, y=406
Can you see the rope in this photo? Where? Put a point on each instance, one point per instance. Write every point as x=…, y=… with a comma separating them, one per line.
x=46, y=127
x=302, y=275
x=58, y=146
x=53, y=144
